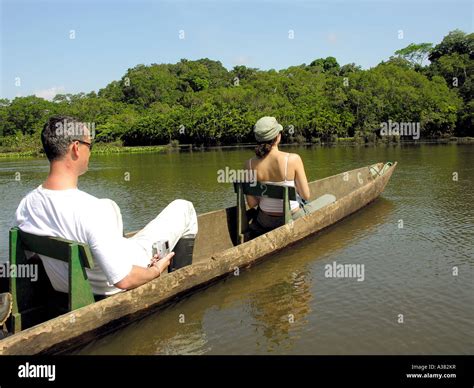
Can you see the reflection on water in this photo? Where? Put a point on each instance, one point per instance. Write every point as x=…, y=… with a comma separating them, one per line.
x=285, y=305
x=271, y=303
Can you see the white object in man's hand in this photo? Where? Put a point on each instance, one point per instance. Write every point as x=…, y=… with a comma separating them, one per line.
x=161, y=263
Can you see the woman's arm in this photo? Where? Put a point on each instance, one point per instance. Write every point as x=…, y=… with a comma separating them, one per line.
x=251, y=200
x=301, y=181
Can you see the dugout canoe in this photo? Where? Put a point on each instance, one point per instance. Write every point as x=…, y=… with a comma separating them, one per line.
x=215, y=256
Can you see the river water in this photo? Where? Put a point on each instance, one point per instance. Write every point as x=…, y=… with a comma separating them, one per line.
x=416, y=243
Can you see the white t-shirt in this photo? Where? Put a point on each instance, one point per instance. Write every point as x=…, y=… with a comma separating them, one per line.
x=75, y=215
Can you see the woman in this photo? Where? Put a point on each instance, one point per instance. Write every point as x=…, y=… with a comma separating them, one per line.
x=275, y=167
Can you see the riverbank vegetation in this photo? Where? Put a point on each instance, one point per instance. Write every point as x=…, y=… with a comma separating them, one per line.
x=202, y=103
x=29, y=145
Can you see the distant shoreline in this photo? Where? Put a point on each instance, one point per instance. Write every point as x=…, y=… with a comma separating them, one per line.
x=105, y=149
x=98, y=150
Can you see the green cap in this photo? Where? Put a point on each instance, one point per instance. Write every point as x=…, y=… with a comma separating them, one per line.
x=266, y=129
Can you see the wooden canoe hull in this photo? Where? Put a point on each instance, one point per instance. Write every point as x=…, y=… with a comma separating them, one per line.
x=215, y=257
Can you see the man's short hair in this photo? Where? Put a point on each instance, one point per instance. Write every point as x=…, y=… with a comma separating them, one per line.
x=58, y=133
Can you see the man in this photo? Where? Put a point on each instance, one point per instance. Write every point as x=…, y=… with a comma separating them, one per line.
x=58, y=208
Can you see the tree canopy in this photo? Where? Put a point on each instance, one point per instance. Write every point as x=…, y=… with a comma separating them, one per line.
x=202, y=102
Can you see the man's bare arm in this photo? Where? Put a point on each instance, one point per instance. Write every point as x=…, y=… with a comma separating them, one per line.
x=139, y=275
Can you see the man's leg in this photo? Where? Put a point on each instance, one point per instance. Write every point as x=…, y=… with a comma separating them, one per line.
x=177, y=220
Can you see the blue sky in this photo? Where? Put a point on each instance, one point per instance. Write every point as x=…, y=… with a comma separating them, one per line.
x=112, y=36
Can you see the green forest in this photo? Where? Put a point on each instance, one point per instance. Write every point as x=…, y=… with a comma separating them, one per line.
x=201, y=102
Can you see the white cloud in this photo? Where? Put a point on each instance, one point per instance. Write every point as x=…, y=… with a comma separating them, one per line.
x=242, y=60
x=48, y=94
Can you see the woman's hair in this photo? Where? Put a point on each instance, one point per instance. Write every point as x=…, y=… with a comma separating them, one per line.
x=263, y=148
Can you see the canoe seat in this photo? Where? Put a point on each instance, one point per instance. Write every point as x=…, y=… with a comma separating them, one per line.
x=33, y=295
x=259, y=189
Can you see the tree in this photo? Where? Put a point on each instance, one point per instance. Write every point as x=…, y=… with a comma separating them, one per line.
x=456, y=41
x=201, y=102
x=144, y=85
x=415, y=53
x=243, y=73
x=218, y=74
x=325, y=65
x=453, y=59
x=349, y=68
x=192, y=76
x=27, y=115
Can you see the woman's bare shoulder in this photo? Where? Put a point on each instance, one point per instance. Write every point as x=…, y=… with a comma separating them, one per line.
x=295, y=158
